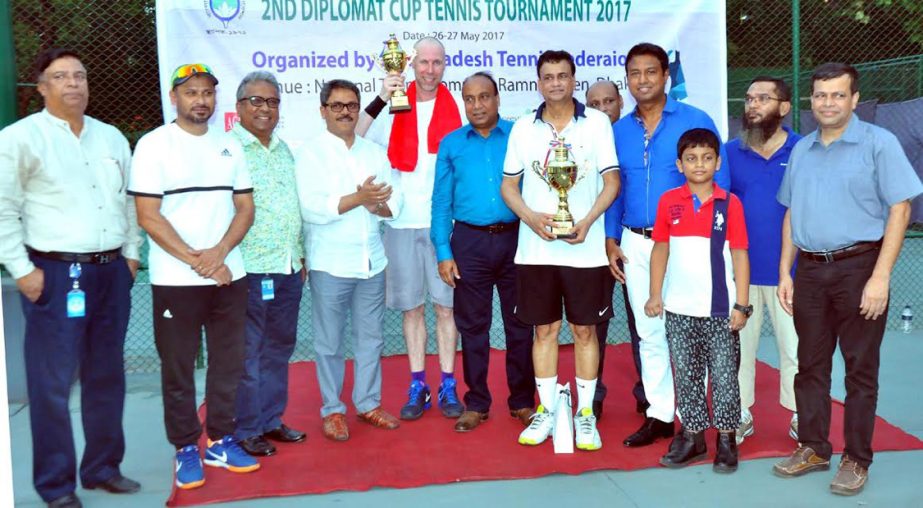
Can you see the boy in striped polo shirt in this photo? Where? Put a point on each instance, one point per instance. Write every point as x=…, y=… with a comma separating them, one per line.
x=705, y=299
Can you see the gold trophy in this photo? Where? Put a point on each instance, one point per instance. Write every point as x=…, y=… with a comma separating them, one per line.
x=560, y=173
x=393, y=60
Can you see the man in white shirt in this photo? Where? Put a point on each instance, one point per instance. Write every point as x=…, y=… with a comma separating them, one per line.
x=68, y=236
x=345, y=189
x=195, y=201
x=413, y=139
x=550, y=269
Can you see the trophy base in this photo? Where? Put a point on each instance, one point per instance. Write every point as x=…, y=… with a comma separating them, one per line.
x=399, y=104
x=563, y=229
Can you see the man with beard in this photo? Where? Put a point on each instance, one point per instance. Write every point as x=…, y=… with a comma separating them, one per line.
x=757, y=160
x=413, y=138
x=195, y=201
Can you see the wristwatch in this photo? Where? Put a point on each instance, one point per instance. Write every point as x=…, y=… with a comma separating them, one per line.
x=746, y=310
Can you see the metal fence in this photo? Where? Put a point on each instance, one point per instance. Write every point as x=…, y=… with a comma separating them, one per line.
x=883, y=38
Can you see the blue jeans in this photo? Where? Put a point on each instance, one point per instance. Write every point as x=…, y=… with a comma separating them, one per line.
x=270, y=341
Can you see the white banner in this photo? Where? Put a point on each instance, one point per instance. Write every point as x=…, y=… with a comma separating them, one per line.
x=305, y=42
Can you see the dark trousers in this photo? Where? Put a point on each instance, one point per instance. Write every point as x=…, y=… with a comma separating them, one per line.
x=180, y=312
x=56, y=347
x=602, y=332
x=270, y=341
x=485, y=260
x=826, y=304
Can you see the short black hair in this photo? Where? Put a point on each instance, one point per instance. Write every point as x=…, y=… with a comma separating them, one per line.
x=697, y=137
x=646, y=48
x=483, y=74
x=782, y=89
x=338, y=84
x=553, y=56
x=45, y=58
x=833, y=70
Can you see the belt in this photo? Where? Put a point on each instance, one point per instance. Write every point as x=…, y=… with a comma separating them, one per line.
x=96, y=258
x=500, y=227
x=645, y=232
x=846, y=252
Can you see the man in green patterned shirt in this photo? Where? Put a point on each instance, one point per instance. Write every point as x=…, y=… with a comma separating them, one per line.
x=273, y=253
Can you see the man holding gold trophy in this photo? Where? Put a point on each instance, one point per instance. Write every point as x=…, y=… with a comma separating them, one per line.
x=564, y=156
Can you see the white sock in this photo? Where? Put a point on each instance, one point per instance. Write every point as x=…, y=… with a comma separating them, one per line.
x=586, y=390
x=546, y=389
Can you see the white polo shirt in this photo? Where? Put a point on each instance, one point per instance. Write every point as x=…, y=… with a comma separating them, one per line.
x=196, y=178
x=589, y=137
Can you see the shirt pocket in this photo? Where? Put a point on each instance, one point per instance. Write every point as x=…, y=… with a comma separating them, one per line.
x=112, y=176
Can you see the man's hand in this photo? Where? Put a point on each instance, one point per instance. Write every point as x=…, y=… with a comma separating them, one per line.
x=786, y=293
x=654, y=307
x=222, y=276
x=133, y=265
x=738, y=320
x=615, y=254
x=372, y=194
x=448, y=272
x=581, y=228
x=208, y=260
x=874, y=297
x=32, y=284
x=304, y=272
x=540, y=223
x=391, y=84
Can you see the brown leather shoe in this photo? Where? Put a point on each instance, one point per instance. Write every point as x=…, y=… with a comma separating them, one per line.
x=469, y=420
x=523, y=414
x=380, y=418
x=802, y=461
x=335, y=427
x=850, y=479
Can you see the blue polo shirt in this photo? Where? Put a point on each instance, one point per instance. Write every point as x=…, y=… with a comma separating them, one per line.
x=842, y=193
x=755, y=181
x=649, y=166
x=469, y=171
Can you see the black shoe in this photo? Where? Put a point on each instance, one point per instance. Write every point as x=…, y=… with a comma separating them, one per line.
x=598, y=409
x=257, y=446
x=641, y=406
x=118, y=484
x=686, y=448
x=726, y=458
x=69, y=501
x=286, y=434
x=651, y=430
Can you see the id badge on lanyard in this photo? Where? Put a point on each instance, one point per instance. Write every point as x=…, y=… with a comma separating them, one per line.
x=76, y=298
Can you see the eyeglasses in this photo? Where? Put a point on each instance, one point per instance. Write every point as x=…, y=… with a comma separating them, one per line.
x=822, y=96
x=184, y=72
x=336, y=107
x=257, y=102
x=760, y=99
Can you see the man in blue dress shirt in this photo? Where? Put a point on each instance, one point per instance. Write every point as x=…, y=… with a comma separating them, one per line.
x=645, y=141
x=477, y=252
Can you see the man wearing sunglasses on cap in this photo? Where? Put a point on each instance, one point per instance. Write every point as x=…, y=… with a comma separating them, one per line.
x=68, y=236
x=195, y=200
x=273, y=253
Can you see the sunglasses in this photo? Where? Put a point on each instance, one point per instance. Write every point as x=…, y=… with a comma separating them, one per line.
x=184, y=72
x=257, y=102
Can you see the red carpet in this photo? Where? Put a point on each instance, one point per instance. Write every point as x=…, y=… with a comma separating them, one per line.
x=428, y=451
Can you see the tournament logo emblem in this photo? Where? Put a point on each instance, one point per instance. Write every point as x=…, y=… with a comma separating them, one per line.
x=225, y=10
x=677, y=79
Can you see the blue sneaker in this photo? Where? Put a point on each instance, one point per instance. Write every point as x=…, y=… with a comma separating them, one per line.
x=228, y=454
x=189, y=472
x=448, y=399
x=418, y=400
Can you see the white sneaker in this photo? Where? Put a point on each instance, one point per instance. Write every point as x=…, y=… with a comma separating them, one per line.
x=746, y=426
x=793, y=427
x=541, y=427
x=585, y=433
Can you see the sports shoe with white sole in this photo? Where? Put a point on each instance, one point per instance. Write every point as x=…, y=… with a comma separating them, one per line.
x=228, y=454
x=746, y=426
x=541, y=427
x=585, y=433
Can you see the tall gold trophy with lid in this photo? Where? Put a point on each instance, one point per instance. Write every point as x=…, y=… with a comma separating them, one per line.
x=560, y=173
x=393, y=60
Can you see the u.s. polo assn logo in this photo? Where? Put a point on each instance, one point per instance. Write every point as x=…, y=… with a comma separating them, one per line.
x=224, y=10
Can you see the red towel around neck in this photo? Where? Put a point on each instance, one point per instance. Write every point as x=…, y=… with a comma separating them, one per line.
x=403, y=144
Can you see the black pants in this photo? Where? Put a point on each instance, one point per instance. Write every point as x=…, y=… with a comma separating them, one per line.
x=180, y=312
x=826, y=304
x=602, y=333
x=485, y=260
